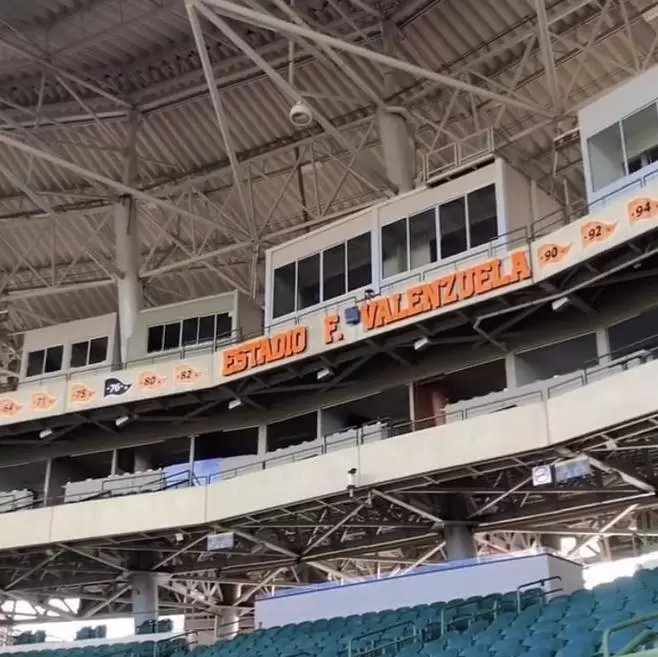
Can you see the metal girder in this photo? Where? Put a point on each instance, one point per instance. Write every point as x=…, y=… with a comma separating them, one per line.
x=457, y=111
x=257, y=18
x=547, y=52
x=388, y=530
x=285, y=87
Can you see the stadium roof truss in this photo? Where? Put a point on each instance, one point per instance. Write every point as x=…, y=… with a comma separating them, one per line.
x=183, y=106
x=103, y=99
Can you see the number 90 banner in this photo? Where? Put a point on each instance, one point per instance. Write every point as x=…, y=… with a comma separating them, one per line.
x=616, y=223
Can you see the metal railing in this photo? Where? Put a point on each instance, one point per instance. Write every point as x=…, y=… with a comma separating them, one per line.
x=358, y=436
x=538, y=583
x=646, y=638
x=372, y=638
x=459, y=154
x=448, y=621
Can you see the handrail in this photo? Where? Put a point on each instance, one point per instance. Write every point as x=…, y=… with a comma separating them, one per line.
x=381, y=631
x=464, y=603
x=380, y=649
x=355, y=435
x=638, y=640
x=541, y=582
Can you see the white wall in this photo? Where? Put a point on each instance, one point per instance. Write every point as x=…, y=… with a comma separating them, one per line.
x=421, y=199
x=612, y=106
x=221, y=303
x=451, y=581
x=68, y=334
x=520, y=209
x=617, y=103
x=322, y=238
x=570, y=574
x=249, y=318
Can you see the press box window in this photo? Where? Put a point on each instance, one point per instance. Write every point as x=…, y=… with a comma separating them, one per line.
x=88, y=352
x=624, y=147
x=189, y=332
x=44, y=361
x=322, y=276
x=284, y=290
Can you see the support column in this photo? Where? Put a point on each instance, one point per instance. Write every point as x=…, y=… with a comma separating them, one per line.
x=518, y=372
x=141, y=460
x=227, y=624
x=603, y=346
x=129, y=288
x=398, y=148
x=262, y=439
x=459, y=542
x=191, y=460
x=46, y=481
x=551, y=542
x=114, y=465
x=144, y=598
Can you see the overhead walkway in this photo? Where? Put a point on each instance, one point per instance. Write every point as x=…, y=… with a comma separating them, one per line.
x=549, y=423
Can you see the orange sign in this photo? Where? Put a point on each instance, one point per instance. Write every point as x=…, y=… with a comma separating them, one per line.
x=596, y=231
x=642, y=208
x=445, y=291
x=264, y=350
x=551, y=254
x=9, y=407
x=81, y=394
x=151, y=381
x=42, y=401
x=187, y=374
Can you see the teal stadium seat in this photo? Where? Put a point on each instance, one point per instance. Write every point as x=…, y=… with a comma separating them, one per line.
x=491, y=626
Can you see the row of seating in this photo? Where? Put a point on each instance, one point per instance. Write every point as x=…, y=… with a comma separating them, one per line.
x=502, y=625
x=492, y=626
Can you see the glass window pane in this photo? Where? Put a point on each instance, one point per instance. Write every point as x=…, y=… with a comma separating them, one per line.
x=224, y=326
x=394, y=248
x=190, y=331
x=79, y=354
x=640, y=133
x=422, y=238
x=207, y=328
x=35, y=360
x=171, y=336
x=333, y=272
x=53, y=361
x=155, y=338
x=284, y=290
x=97, y=351
x=452, y=224
x=359, y=262
x=482, y=216
x=606, y=159
x=308, y=281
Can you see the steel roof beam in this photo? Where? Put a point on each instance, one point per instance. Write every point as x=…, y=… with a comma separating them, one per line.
x=49, y=66
x=271, y=23
x=286, y=88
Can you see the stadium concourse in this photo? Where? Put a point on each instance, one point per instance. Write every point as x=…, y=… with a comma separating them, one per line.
x=329, y=322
